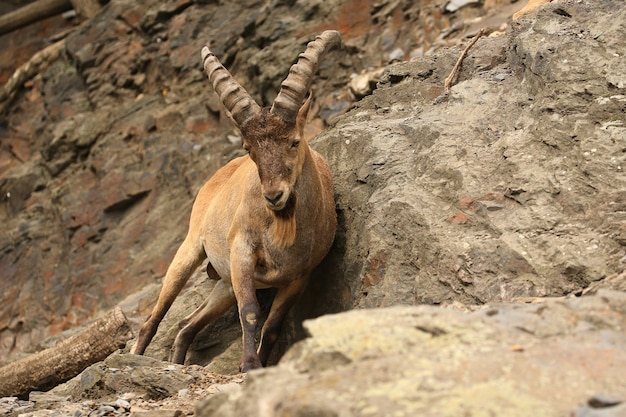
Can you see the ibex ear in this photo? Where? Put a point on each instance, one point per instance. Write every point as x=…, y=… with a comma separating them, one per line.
x=303, y=114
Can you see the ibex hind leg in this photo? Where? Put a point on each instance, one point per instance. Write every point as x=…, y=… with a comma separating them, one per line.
x=187, y=259
x=221, y=299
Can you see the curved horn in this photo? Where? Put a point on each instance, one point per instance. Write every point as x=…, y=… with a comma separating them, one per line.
x=298, y=82
x=234, y=97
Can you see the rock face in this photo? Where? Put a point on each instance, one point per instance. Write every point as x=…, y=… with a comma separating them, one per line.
x=553, y=358
x=516, y=360
x=103, y=152
x=509, y=186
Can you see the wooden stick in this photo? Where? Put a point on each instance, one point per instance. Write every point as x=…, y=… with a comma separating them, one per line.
x=448, y=83
x=48, y=368
x=32, y=13
x=27, y=71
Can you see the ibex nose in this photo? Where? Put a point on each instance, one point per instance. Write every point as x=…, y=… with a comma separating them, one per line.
x=273, y=198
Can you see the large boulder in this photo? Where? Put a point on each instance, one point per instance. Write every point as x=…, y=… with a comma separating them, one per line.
x=556, y=358
x=511, y=185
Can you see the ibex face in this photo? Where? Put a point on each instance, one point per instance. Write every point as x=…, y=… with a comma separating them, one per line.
x=272, y=136
x=276, y=151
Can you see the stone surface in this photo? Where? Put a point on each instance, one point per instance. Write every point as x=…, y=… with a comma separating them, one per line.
x=509, y=188
x=546, y=359
x=126, y=385
x=103, y=152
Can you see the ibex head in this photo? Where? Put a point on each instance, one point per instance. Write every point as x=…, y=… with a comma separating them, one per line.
x=273, y=136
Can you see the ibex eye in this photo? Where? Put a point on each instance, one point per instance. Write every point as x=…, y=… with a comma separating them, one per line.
x=295, y=144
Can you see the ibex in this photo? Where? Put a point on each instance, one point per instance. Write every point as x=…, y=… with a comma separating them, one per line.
x=263, y=220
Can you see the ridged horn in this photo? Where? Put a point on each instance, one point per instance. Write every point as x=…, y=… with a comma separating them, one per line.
x=234, y=97
x=298, y=82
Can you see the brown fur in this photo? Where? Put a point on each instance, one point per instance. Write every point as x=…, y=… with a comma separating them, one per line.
x=263, y=220
x=284, y=225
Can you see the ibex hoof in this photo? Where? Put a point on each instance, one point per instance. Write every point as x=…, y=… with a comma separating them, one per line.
x=249, y=364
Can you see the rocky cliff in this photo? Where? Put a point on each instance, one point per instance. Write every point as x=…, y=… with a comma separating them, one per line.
x=104, y=150
x=508, y=188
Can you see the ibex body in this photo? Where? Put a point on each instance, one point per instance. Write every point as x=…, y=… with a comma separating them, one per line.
x=263, y=220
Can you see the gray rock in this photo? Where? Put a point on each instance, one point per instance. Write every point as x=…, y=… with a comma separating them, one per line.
x=128, y=373
x=509, y=186
x=540, y=360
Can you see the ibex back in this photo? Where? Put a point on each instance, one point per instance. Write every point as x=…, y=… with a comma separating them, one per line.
x=264, y=220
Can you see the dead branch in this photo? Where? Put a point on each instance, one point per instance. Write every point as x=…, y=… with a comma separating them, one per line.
x=27, y=71
x=48, y=368
x=448, y=82
x=33, y=12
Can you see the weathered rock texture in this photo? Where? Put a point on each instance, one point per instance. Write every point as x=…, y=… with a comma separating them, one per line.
x=512, y=185
x=509, y=186
x=125, y=384
x=546, y=359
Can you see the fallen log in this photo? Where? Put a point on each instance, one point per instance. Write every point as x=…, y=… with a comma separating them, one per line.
x=33, y=12
x=42, y=9
x=48, y=368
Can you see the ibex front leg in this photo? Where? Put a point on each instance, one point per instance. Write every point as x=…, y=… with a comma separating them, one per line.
x=242, y=263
